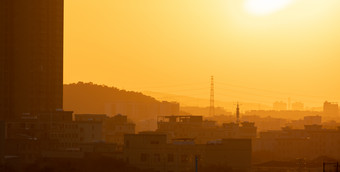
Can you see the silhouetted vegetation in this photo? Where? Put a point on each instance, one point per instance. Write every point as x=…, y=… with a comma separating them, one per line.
x=100, y=99
x=91, y=98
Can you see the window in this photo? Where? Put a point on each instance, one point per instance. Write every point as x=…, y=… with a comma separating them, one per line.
x=144, y=157
x=154, y=142
x=171, y=158
x=157, y=157
x=184, y=158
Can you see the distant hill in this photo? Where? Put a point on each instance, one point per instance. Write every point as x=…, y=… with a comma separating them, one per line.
x=100, y=99
x=91, y=98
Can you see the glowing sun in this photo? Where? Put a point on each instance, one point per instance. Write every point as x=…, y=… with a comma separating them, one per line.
x=264, y=7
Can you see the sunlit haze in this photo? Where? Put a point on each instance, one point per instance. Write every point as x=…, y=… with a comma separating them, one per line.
x=264, y=7
x=169, y=85
x=259, y=51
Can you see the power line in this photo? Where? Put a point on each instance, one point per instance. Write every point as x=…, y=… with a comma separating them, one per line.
x=212, y=99
x=266, y=90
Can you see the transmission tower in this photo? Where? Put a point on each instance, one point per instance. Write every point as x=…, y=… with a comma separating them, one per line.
x=212, y=101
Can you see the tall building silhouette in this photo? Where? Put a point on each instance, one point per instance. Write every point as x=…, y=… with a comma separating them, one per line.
x=31, y=56
x=330, y=109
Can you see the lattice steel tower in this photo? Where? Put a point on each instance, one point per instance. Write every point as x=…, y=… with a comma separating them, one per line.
x=212, y=100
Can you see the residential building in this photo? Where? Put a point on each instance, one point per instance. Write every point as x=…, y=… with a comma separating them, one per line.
x=297, y=106
x=153, y=152
x=310, y=143
x=114, y=127
x=178, y=127
x=32, y=136
x=31, y=57
x=279, y=106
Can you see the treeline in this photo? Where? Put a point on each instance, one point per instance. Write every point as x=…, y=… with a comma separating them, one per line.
x=91, y=98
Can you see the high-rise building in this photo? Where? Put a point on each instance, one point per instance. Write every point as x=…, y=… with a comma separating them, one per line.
x=280, y=106
x=2, y=141
x=298, y=106
x=31, y=56
x=330, y=109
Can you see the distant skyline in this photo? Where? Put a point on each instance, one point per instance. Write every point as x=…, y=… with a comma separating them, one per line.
x=174, y=47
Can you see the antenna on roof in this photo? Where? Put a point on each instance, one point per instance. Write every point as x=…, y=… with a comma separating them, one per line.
x=238, y=113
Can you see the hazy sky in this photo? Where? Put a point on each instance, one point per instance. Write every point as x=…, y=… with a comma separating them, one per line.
x=258, y=52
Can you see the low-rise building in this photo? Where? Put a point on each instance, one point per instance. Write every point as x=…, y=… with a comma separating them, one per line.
x=113, y=128
x=33, y=135
x=311, y=142
x=178, y=127
x=116, y=127
x=154, y=152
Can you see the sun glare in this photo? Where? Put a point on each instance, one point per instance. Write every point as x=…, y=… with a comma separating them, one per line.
x=265, y=7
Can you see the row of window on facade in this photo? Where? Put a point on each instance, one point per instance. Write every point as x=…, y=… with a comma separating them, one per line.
x=182, y=158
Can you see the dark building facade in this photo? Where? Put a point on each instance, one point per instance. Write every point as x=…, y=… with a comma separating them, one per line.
x=31, y=56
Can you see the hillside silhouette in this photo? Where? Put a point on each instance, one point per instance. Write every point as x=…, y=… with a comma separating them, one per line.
x=100, y=99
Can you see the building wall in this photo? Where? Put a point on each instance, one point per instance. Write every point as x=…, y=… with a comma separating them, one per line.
x=330, y=109
x=31, y=56
x=90, y=117
x=280, y=106
x=115, y=134
x=90, y=132
x=151, y=151
x=203, y=131
x=235, y=153
x=298, y=106
x=113, y=128
x=4, y=59
x=66, y=134
x=116, y=127
x=309, y=143
x=32, y=135
x=2, y=141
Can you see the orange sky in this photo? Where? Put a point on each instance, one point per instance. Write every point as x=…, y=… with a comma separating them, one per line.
x=174, y=46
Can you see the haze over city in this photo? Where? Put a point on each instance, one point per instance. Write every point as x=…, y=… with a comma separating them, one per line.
x=169, y=86
x=289, y=51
